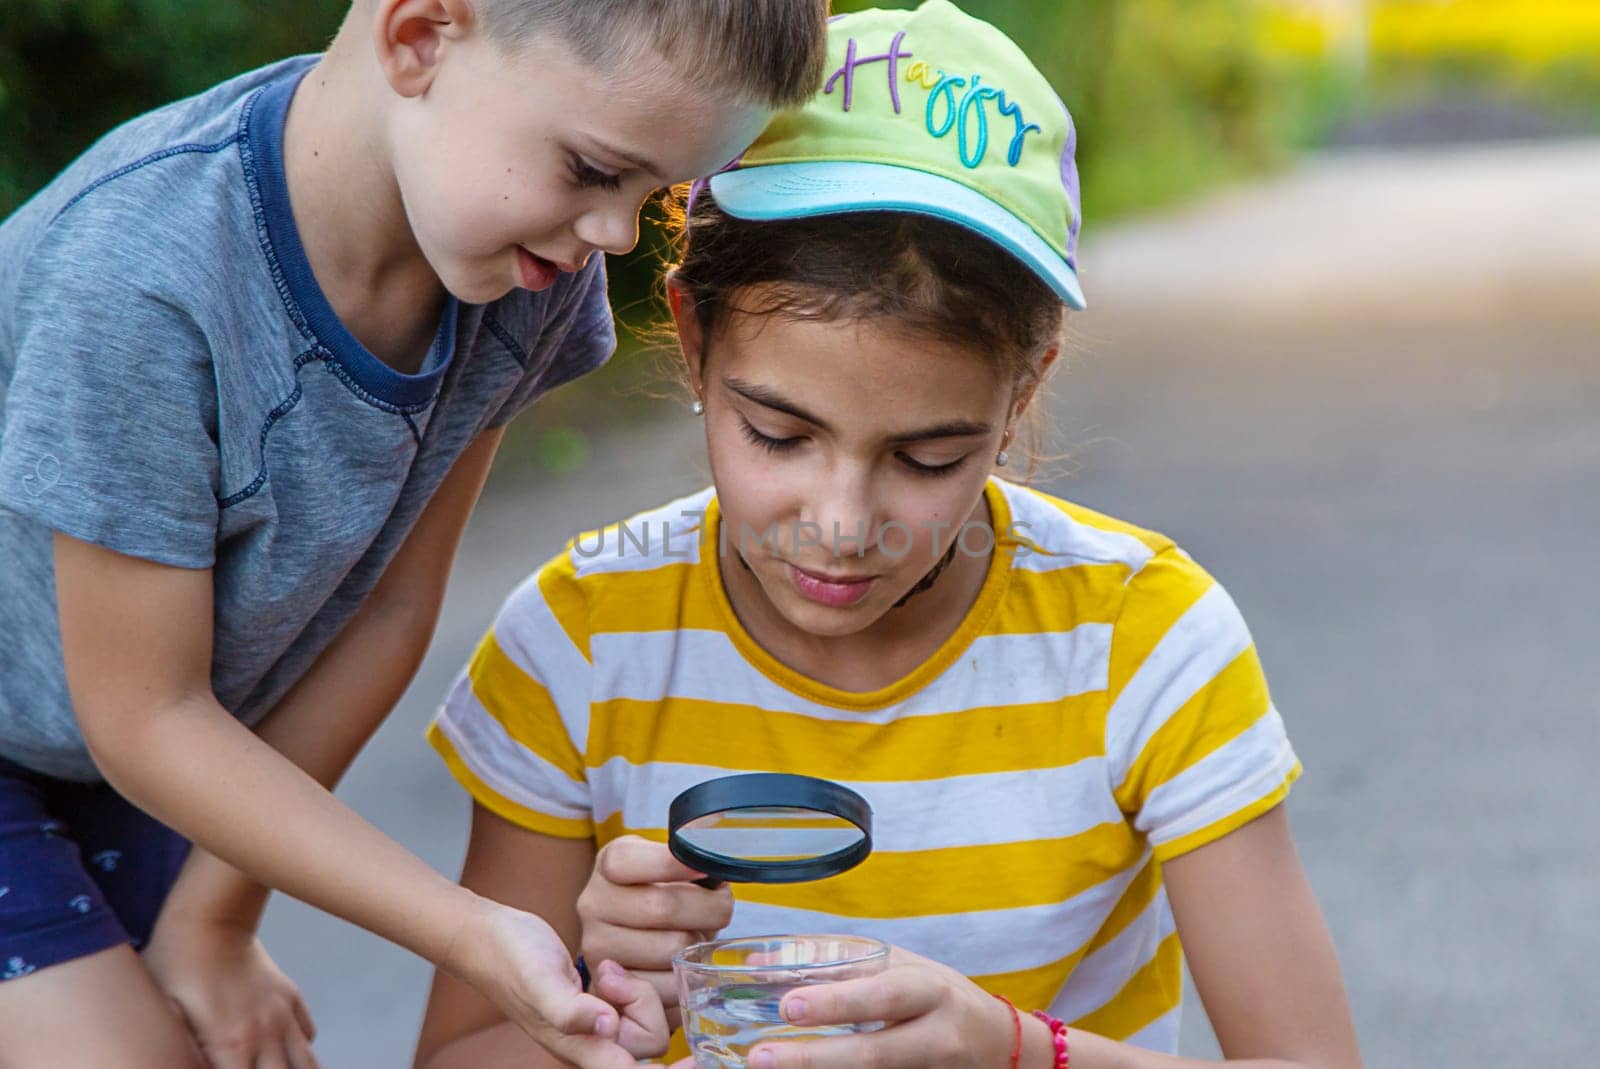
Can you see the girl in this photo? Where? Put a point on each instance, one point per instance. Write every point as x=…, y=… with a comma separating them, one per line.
x=1059, y=719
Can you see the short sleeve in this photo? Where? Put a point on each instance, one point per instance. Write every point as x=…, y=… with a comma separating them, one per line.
x=1194, y=745
x=109, y=420
x=514, y=726
x=577, y=337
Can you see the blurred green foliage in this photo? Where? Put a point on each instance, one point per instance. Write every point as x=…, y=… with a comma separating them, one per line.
x=72, y=69
x=1168, y=94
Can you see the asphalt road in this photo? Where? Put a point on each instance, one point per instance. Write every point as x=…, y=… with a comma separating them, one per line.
x=1363, y=394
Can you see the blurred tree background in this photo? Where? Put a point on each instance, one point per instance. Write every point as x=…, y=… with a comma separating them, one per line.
x=1170, y=96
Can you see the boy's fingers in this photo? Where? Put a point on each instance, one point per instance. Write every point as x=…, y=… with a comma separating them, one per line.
x=582, y=1015
x=302, y=1014
x=301, y=1055
x=271, y=1058
x=631, y=860
x=591, y=1052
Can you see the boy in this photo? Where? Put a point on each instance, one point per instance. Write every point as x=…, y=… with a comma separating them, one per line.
x=256, y=352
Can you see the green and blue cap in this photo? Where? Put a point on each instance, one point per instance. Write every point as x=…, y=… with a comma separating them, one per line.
x=931, y=112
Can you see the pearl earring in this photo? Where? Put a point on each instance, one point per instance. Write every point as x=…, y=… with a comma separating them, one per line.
x=698, y=407
x=1002, y=458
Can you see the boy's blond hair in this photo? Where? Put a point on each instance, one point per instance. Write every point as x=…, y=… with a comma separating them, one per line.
x=768, y=51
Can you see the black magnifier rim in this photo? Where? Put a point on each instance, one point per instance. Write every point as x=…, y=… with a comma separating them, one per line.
x=769, y=790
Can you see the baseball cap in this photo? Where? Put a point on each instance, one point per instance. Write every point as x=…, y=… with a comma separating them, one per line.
x=932, y=112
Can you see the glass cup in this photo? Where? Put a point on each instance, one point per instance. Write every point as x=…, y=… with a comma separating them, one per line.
x=730, y=989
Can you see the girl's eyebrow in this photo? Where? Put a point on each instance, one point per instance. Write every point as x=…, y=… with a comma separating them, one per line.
x=762, y=395
x=959, y=428
x=769, y=398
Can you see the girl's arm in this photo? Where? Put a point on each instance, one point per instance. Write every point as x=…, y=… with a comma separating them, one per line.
x=1256, y=943
x=136, y=639
x=1260, y=954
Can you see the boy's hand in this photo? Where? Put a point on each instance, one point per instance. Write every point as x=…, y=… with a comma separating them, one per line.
x=243, y=1011
x=517, y=962
x=640, y=908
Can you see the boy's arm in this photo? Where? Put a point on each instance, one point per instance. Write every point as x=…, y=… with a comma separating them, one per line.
x=328, y=716
x=536, y=873
x=136, y=639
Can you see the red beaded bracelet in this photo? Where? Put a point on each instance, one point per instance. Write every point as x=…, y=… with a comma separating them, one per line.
x=1058, y=1033
x=1016, y=1044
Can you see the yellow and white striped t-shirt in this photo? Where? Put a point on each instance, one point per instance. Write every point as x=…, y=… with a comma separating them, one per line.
x=1100, y=710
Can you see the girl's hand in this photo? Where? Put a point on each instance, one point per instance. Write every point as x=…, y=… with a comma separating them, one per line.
x=243, y=1011
x=937, y=1019
x=519, y=963
x=640, y=908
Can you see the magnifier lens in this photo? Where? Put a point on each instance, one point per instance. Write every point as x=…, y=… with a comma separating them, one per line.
x=770, y=833
x=765, y=827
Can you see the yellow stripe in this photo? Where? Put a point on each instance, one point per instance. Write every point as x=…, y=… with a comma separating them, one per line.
x=499, y=805
x=1219, y=712
x=961, y=879
x=1167, y=588
x=1232, y=822
x=1031, y=989
x=562, y=593
x=522, y=706
x=1149, y=993
x=1036, y=988
x=1134, y=901
x=733, y=736
x=1059, y=600
x=668, y=597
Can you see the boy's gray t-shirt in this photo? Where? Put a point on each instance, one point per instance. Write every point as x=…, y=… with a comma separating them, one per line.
x=175, y=386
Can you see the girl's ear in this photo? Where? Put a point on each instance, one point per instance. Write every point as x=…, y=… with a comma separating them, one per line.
x=1026, y=394
x=407, y=36
x=690, y=338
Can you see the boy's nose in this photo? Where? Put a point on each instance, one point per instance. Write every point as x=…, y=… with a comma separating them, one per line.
x=613, y=230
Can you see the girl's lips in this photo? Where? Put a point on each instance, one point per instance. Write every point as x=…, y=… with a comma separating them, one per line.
x=831, y=592
x=537, y=272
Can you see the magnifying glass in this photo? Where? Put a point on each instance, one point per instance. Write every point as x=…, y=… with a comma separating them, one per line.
x=769, y=827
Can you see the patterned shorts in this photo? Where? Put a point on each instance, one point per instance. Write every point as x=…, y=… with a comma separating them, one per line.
x=81, y=869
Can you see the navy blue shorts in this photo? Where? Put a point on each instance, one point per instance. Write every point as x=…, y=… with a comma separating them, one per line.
x=81, y=870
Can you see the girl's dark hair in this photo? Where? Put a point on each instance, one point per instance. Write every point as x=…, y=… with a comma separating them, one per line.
x=927, y=276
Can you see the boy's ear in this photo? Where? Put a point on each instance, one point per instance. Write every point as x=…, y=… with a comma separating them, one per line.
x=690, y=337
x=409, y=35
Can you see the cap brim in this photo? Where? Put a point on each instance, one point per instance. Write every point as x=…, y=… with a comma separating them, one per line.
x=805, y=190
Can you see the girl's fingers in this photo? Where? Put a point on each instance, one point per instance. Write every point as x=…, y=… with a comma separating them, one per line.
x=634, y=948
x=631, y=860
x=896, y=995
x=643, y=1028
x=892, y=1048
